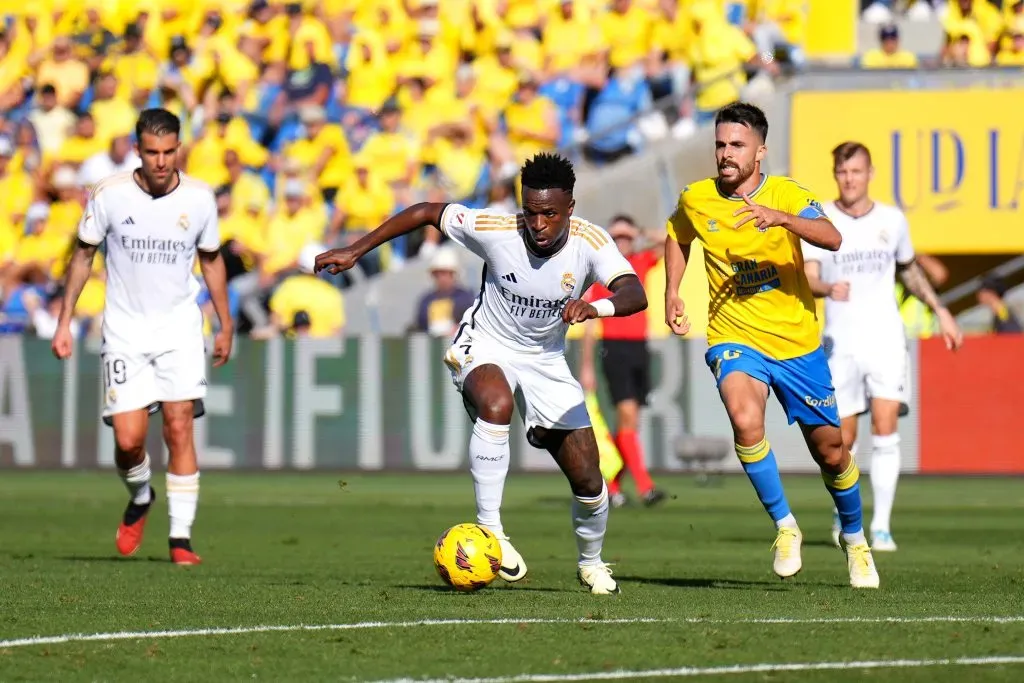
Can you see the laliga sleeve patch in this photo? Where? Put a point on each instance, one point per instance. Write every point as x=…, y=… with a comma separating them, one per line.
x=813, y=210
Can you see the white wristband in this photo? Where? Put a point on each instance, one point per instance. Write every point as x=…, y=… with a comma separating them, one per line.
x=605, y=308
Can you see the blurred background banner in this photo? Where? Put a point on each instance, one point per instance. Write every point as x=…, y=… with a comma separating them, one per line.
x=314, y=121
x=388, y=404
x=953, y=160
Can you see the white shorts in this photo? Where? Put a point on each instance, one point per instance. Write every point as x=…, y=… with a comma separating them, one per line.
x=138, y=380
x=860, y=377
x=546, y=393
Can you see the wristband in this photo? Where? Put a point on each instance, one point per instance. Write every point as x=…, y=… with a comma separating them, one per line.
x=605, y=308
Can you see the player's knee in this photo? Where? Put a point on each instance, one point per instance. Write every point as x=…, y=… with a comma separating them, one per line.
x=496, y=409
x=130, y=443
x=747, y=421
x=587, y=484
x=832, y=453
x=883, y=426
x=177, y=431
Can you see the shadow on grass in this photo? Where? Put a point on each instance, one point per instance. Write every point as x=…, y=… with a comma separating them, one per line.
x=748, y=540
x=111, y=558
x=722, y=584
x=437, y=588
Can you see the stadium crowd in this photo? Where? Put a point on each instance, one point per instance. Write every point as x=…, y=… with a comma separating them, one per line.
x=977, y=33
x=314, y=121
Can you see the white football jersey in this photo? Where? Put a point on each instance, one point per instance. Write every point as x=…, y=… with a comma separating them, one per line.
x=151, y=247
x=872, y=246
x=521, y=300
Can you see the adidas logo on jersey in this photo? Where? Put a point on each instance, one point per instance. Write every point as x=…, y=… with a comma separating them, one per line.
x=510, y=277
x=128, y=221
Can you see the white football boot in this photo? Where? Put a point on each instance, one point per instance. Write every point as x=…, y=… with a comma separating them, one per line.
x=513, y=566
x=861, y=565
x=882, y=541
x=837, y=529
x=598, y=578
x=787, y=552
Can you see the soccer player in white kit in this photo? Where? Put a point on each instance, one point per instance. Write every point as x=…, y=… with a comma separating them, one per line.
x=864, y=335
x=153, y=221
x=509, y=349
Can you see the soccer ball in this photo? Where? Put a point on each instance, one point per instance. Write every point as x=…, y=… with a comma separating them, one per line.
x=467, y=557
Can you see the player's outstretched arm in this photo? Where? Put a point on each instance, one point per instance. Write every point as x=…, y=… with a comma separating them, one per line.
x=628, y=297
x=78, y=273
x=916, y=282
x=215, y=275
x=413, y=218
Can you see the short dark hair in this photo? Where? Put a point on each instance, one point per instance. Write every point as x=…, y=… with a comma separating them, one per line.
x=745, y=114
x=157, y=122
x=622, y=218
x=845, y=151
x=547, y=172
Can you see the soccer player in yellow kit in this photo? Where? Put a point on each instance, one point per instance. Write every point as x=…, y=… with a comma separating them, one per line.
x=762, y=324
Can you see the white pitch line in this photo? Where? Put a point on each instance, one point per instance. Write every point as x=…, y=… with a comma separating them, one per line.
x=687, y=671
x=287, y=628
x=865, y=620
x=291, y=628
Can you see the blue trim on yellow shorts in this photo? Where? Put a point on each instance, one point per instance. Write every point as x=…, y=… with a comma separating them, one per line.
x=803, y=385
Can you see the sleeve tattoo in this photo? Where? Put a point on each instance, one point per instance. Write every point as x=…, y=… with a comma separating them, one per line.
x=916, y=282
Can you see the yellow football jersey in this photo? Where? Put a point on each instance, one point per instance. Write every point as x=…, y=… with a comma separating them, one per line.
x=759, y=294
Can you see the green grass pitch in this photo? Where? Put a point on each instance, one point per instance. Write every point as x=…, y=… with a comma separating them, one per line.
x=321, y=549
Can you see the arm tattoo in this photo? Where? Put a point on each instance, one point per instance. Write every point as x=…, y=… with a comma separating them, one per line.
x=917, y=283
x=78, y=272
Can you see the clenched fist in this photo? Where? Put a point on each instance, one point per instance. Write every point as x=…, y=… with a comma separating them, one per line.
x=578, y=311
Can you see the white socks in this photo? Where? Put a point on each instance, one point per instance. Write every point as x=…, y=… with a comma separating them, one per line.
x=787, y=521
x=885, y=473
x=488, y=463
x=182, y=500
x=856, y=538
x=136, y=480
x=590, y=521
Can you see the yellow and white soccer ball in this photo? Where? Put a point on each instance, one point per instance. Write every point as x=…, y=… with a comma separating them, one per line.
x=467, y=557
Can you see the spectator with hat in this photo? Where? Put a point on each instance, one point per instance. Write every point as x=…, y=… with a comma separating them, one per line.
x=322, y=151
x=889, y=54
x=392, y=152
x=440, y=310
x=306, y=305
x=990, y=295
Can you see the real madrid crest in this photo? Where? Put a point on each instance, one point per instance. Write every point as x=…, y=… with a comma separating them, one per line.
x=111, y=396
x=183, y=222
x=568, y=282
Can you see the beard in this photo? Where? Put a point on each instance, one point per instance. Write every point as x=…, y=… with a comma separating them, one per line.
x=742, y=173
